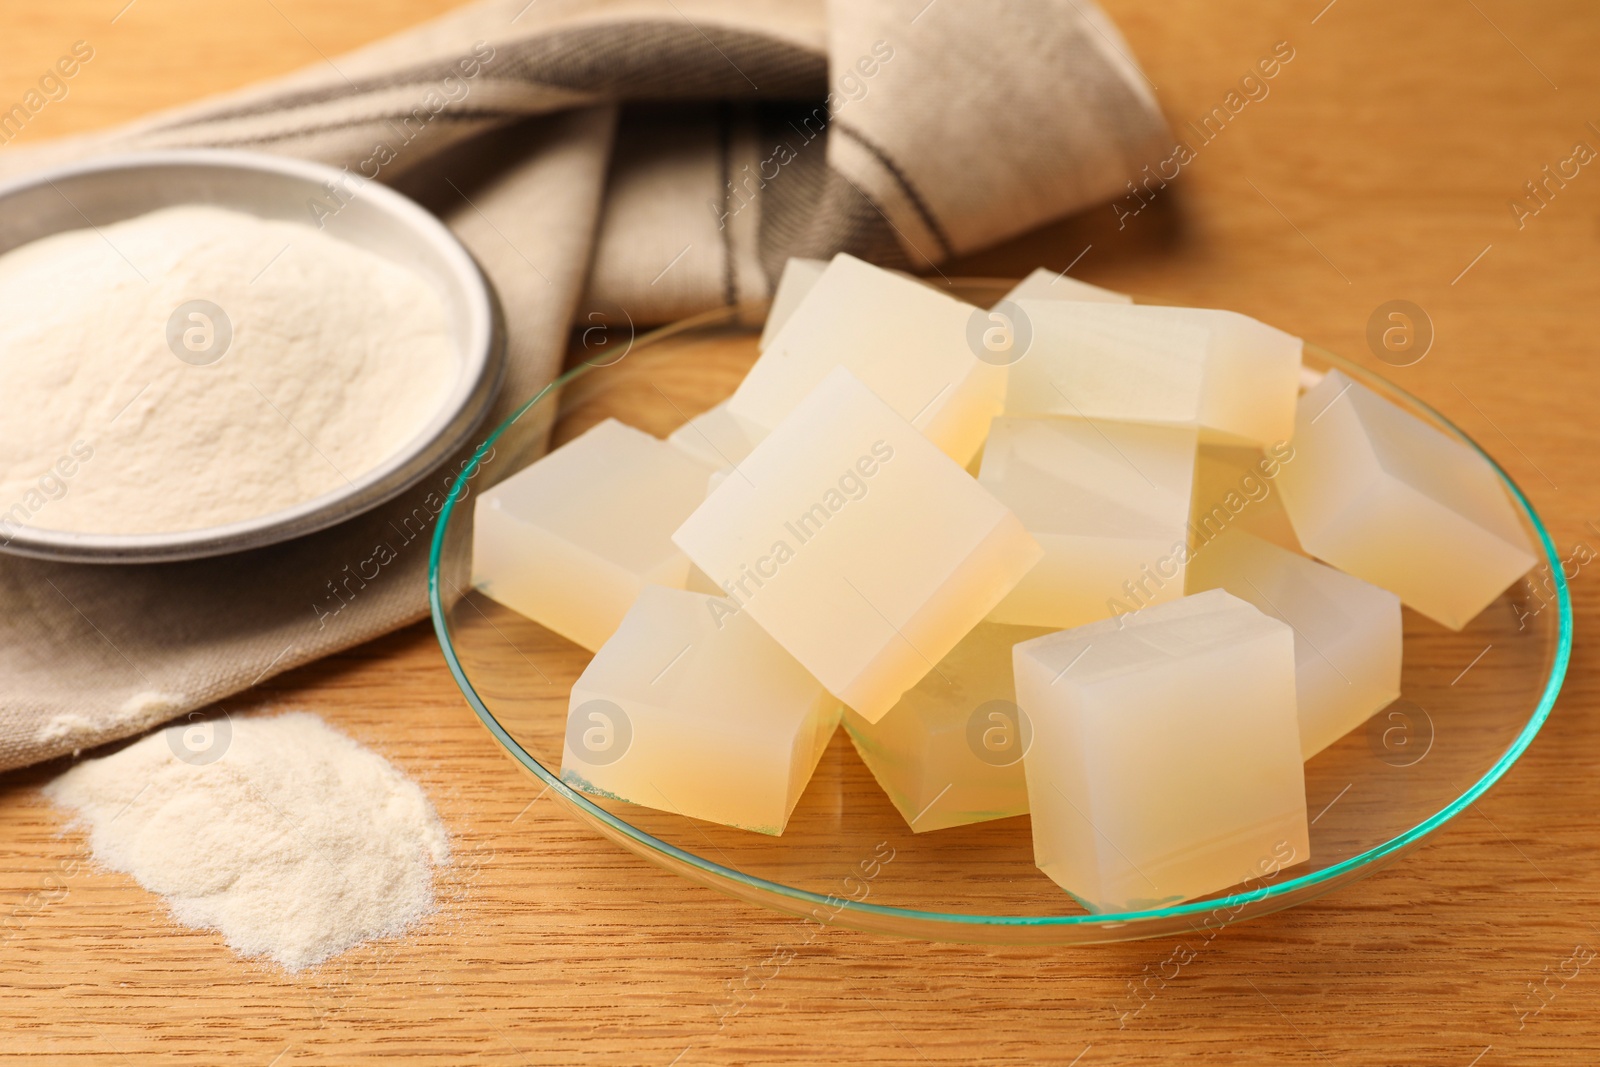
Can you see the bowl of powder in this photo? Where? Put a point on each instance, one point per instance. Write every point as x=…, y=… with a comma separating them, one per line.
x=199, y=355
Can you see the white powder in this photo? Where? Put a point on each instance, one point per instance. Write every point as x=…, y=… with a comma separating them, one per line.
x=143, y=709
x=289, y=838
x=338, y=357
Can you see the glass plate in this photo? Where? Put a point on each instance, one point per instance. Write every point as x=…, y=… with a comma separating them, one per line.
x=1471, y=703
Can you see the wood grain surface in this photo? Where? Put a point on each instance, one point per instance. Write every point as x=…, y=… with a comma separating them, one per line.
x=1381, y=165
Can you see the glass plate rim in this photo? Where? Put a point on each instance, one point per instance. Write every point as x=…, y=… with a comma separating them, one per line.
x=1328, y=877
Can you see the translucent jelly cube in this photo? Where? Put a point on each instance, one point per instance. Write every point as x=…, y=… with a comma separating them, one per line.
x=865, y=551
x=1109, y=504
x=1165, y=761
x=950, y=752
x=570, y=540
x=716, y=437
x=1384, y=496
x=799, y=275
x=1235, y=488
x=1044, y=284
x=1230, y=376
x=905, y=340
x=1346, y=632
x=692, y=709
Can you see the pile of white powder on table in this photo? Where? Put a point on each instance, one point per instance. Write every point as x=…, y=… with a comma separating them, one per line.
x=289, y=838
x=197, y=366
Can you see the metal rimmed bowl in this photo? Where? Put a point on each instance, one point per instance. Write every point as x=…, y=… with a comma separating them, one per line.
x=1471, y=703
x=113, y=188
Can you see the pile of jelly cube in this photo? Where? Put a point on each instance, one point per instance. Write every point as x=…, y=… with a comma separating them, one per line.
x=1099, y=563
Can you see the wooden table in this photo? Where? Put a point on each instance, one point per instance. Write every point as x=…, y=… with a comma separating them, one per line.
x=1380, y=166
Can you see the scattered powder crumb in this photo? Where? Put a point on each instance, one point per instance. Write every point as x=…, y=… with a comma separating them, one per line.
x=67, y=726
x=141, y=710
x=289, y=838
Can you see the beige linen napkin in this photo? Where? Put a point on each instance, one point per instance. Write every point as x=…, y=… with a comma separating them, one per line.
x=665, y=157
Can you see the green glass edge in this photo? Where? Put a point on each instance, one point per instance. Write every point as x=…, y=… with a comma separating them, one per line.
x=1558, y=672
